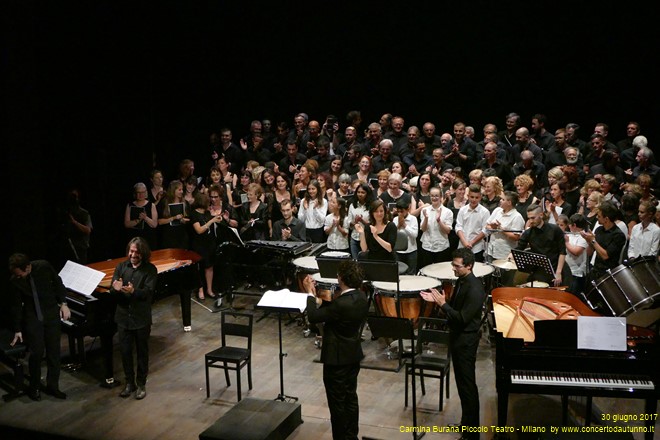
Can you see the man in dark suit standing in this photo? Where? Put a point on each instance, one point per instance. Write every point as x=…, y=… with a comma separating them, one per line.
x=133, y=284
x=38, y=299
x=341, y=351
x=463, y=311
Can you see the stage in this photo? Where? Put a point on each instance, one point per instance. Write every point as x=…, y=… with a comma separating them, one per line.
x=176, y=406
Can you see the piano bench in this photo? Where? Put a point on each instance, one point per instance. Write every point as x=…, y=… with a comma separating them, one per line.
x=12, y=357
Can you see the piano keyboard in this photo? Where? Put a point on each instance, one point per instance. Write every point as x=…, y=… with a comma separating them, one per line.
x=590, y=380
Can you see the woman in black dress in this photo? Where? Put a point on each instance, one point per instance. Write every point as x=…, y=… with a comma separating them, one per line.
x=254, y=215
x=173, y=216
x=141, y=216
x=203, y=240
x=377, y=239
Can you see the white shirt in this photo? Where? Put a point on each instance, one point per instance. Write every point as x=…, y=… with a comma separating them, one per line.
x=433, y=239
x=499, y=245
x=644, y=241
x=471, y=222
x=336, y=240
x=411, y=229
x=313, y=216
x=354, y=211
x=577, y=264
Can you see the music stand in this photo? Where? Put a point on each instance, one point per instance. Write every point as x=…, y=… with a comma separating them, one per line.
x=280, y=310
x=231, y=236
x=384, y=271
x=533, y=263
x=398, y=328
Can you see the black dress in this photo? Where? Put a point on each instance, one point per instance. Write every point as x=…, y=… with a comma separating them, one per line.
x=376, y=251
x=174, y=234
x=204, y=243
x=259, y=231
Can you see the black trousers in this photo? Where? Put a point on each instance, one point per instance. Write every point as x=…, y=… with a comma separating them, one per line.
x=463, y=348
x=140, y=339
x=341, y=390
x=424, y=257
x=40, y=336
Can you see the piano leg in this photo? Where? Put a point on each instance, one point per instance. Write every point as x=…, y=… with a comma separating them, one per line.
x=502, y=407
x=186, y=302
x=587, y=416
x=651, y=408
x=564, y=409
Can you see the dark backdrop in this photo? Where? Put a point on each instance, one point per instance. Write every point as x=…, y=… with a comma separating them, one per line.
x=97, y=92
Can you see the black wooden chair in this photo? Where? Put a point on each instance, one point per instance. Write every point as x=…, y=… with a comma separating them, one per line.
x=435, y=365
x=230, y=357
x=12, y=357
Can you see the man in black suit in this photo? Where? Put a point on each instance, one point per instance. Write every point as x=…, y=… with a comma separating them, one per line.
x=133, y=284
x=341, y=351
x=463, y=311
x=38, y=302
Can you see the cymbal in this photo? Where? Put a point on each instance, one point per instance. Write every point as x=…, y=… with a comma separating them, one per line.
x=505, y=264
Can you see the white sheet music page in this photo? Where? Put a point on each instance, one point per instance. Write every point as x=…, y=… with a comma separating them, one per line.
x=79, y=278
x=284, y=298
x=602, y=333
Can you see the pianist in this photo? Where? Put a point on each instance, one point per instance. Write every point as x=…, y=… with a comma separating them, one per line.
x=133, y=285
x=288, y=228
x=37, y=297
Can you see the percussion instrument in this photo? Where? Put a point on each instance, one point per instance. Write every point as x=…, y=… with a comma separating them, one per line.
x=443, y=271
x=411, y=304
x=505, y=264
x=535, y=284
x=325, y=287
x=627, y=288
x=304, y=266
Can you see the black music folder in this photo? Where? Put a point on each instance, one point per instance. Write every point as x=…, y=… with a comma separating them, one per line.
x=175, y=209
x=135, y=215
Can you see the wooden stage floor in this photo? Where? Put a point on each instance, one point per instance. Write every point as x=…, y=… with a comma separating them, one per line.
x=176, y=406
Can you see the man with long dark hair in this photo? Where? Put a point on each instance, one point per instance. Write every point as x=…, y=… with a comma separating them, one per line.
x=133, y=284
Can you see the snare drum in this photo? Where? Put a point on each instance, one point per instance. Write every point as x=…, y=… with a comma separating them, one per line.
x=325, y=287
x=412, y=305
x=304, y=266
x=626, y=289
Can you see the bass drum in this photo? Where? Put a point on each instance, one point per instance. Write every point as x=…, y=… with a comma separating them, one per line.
x=627, y=288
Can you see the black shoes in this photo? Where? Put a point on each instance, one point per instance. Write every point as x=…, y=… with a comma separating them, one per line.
x=127, y=391
x=110, y=383
x=56, y=393
x=140, y=393
x=34, y=394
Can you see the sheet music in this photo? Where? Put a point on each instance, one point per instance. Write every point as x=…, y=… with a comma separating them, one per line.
x=237, y=234
x=79, y=278
x=285, y=299
x=602, y=333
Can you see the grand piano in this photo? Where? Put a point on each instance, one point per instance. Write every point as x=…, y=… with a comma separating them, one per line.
x=536, y=353
x=94, y=316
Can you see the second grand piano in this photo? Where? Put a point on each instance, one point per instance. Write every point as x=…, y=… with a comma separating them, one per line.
x=536, y=353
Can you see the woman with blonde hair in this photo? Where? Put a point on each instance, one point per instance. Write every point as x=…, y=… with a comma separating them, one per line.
x=589, y=186
x=492, y=193
x=524, y=185
x=383, y=177
x=591, y=207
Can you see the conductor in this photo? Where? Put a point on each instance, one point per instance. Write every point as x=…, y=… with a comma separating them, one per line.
x=341, y=352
